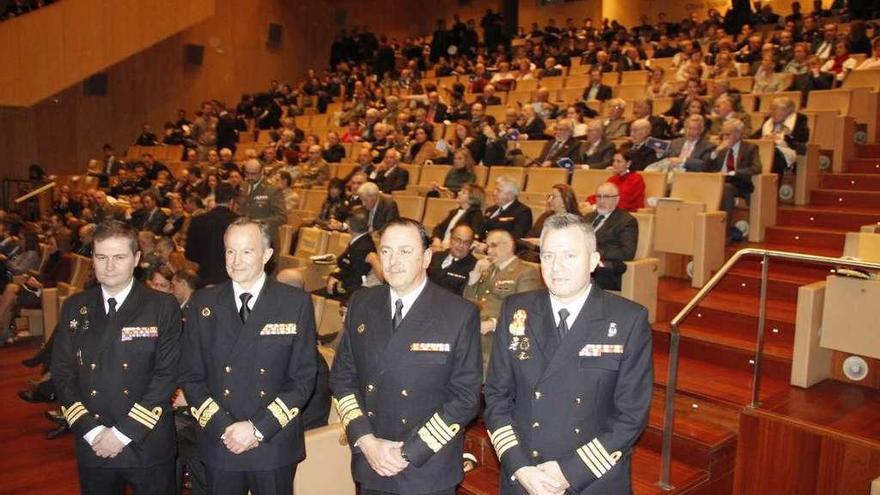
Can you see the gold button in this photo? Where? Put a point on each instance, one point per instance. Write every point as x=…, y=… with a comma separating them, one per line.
x=371, y=387
x=536, y=424
x=262, y=371
x=97, y=416
x=403, y=420
x=226, y=392
x=93, y=365
x=577, y=400
x=229, y=369
x=370, y=413
x=94, y=393
x=404, y=393
x=537, y=395
x=262, y=393
x=125, y=392
x=577, y=431
x=535, y=454
x=125, y=366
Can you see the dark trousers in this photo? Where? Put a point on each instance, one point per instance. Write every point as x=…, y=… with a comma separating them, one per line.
x=735, y=186
x=448, y=491
x=275, y=482
x=153, y=480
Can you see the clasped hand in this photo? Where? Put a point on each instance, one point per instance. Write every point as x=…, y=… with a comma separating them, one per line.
x=543, y=479
x=240, y=437
x=384, y=456
x=106, y=445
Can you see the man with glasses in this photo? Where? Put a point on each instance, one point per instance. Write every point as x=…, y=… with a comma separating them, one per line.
x=738, y=161
x=406, y=377
x=260, y=200
x=450, y=268
x=615, y=125
x=564, y=146
x=617, y=235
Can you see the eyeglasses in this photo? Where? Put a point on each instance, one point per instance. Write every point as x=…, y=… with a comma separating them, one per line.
x=606, y=196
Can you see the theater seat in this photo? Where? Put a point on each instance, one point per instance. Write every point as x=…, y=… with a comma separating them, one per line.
x=764, y=200
x=327, y=467
x=640, y=280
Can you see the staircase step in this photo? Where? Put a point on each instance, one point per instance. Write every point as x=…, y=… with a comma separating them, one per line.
x=845, y=199
x=806, y=236
x=848, y=220
x=678, y=291
x=866, y=165
x=850, y=182
x=741, y=279
x=868, y=150
x=786, y=264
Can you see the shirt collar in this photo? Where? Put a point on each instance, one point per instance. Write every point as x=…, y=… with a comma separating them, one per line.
x=504, y=265
x=119, y=296
x=254, y=291
x=408, y=299
x=355, y=238
x=574, y=307
x=505, y=205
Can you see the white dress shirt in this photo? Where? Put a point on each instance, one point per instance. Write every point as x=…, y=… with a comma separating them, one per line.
x=408, y=299
x=574, y=307
x=254, y=291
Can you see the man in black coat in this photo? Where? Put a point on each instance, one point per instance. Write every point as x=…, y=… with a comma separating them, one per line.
x=642, y=154
x=564, y=146
x=693, y=149
x=596, y=90
x=249, y=369
x=738, y=161
x=450, y=268
x=617, y=236
x=204, y=239
x=382, y=209
x=352, y=266
x=435, y=111
x=508, y=213
x=570, y=378
x=390, y=176
x=114, y=365
x=406, y=377
x=153, y=219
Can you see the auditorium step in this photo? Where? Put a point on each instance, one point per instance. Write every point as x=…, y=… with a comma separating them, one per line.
x=845, y=199
x=827, y=218
x=813, y=237
x=850, y=182
x=867, y=165
x=868, y=150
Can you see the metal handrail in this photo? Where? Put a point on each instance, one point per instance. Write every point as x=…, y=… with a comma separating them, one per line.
x=675, y=334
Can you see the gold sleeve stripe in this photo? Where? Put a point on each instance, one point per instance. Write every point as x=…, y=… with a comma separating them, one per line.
x=348, y=409
x=281, y=412
x=198, y=412
x=74, y=412
x=436, y=433
x=596, y=457
x=144, y=416
x=586, y=459
x=503, y=439
x=204, y=413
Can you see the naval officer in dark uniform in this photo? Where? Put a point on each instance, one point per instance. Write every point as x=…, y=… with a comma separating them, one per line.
x=248, y=370
x=114, y=364
x=570, y=377
x=406, y=377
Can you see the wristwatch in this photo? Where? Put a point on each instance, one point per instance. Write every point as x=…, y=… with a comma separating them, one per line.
x=403, y=454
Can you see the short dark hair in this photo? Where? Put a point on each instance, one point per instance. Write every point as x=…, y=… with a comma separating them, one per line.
x=189, y=277
x=109, y=229
x=224, y=193
x=409, y=222
x=359, y=220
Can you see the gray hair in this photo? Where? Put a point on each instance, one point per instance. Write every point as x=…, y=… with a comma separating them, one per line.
x=562, y=221
x=785, y=102
x=640, y=124
x=507, y=184
x=263, y=227
x=733, y=125
x=368, y=189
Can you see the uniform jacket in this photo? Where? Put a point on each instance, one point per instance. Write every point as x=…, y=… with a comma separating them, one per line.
x=582, y=402
x=494, y=285
x=262, y=371
x=516, y=219
x=352, y=264
x=419, y=384
x=454, y=277
x=263, y=201
x=119, y=373
x=473, y=216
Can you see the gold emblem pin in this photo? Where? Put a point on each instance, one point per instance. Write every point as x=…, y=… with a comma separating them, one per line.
x=206, y=312
x=83, y=310
x=361, y=328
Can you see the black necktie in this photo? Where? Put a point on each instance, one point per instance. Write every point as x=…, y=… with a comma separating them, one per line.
x=398, y=313
x=111, y=303
x=598, y=221
x=245, y=311
x=562, y=327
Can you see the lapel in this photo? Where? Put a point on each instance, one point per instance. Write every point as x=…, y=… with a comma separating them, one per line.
x=588, y=325
x=542, y=327
x=249, y=333
x=413, y=324
x=229, y=323
x=379, y=332
x=124, y=315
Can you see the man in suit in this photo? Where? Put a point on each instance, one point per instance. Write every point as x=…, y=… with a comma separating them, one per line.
x=738, y=161
x=353, y=264
x=642, y=154
x=617, y=236
x=204, y=239
x=114, y=366
x=564, y=146
x=812, y=79
x=691, y=152
x=508, y=213
x=630, y=60
x=570, y=379
x=596, y=90
x=260, y=200
x=598, y=152
x=406, y=377
x=488, y=97
x=436, y=111
x=615, y=125
x=643, y=108
x=495, y=277
x=450, y=268
x=789, y=129
x=390, y=176
x=154, y=218
x=723, y=111
x=382, y=209
x=249, y=369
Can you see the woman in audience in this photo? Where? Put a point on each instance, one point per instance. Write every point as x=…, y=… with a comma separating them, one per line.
x=461, y=173
x=724, y=67
x=352, y=132
x=630, y=184
x=695, y=107
x=333, y=152
x=561, y=199
x=767, y=80
x=657, y=87
x=159, y=278
x=291, y=197
x=579, y=131
x=872, y=62
x=841, y=63
x=470, y=200
x=209, y=187
x=462, y=138
x=421, y=149
x=334, y=203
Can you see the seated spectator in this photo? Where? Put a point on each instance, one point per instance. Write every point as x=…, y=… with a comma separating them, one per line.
x=643, y=108
x=389, y=175
x=382, y=209
x=598, y=151
x=872, y=62
x=532, y=126
x=691, y=151
x=561, y=199
x=642, y=154
x=152, y=218
x=495, y=277
x=356, y=262
x=596, y=90
x=524, y=71
x=630, y=60
x=544, y=108
x=658, y=87
x=551, y=68
x=333, y=152
x=841, y=63
x=470, y=200
x=814, y=78
x=435, y=112
x=576, y=115
x=421, y=149
x=738, y=161
x=563, y=146
x=723, y=111
x=615, y=125
x=353, y=132
x=508, y=213
x=461, y=173
x=694, y=68
x=630, y=185
x=183, y=284
x=603, y=62
x=488, y=96
x=291, y=197
x=159, y=278
x=463, y=138
x=450, y=268
x=768, y=81
x=697, y=107
x=617, y=235
x=226, y=163
x=314, y=171
x=503, y=79
x=175, y=219
x=789, y=130
x=824, y=48
x=798, y=63
x=146, y=137
x=333, y=203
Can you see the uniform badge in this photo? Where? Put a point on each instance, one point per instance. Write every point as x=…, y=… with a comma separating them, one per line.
x=206, y=312
x=523, y=355
x=83, y=310
x=612, y=329
x=361, y=328
x=517, y=327
x=73, y=324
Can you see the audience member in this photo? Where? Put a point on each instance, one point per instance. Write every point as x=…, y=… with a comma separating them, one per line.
x=617, y=235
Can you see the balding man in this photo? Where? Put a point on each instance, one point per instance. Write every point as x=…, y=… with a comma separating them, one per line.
x=615, y=125
x=450, y=268
x=597, y=150
x=436, y=110
x=617, y=235
x=738, y=161
x=564, y=146
x=382, y=209
x=314, y=171
x=488, y=97
x=643, y=108
x=508, y=213
x=260, y=200
x=642, y=154
x=692, y=150
x=389, y=175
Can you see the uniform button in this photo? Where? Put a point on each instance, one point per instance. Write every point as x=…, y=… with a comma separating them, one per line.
x=97, y=416
x=577, y=400
x=228, y=369
x=262, y=371
x=371, y=387
x=125, y=392
x=93, y=366
x=577, y=431
x=226, y=392
x=125, y=366
x=403, y=420
x=536, y=424
x=370, y=414
x=262, y=393
x=404, y=393
x=535, y=454
x=94, y=393
x=537, y=395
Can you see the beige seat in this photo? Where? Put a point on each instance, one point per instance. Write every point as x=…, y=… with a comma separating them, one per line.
x=482, y=173
x=52, y=298
x=331, y=318
x=430, y=174
x=522, y=97
x=414, y=171
x=655, y=184
x=315, y=274
x=343, y=169
x=436, y=210
x=764, y=200
x=312, y=241
x=585, y=181
x=327, y=468
x=410, y=206
x=541, y=180
x=579, y=81
x=526, y=86
x=635, y=77
x=630, y=92
x=767, y=100
x=640, y=280
x=517, y=174
x=531, y=149
x=552, y=82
